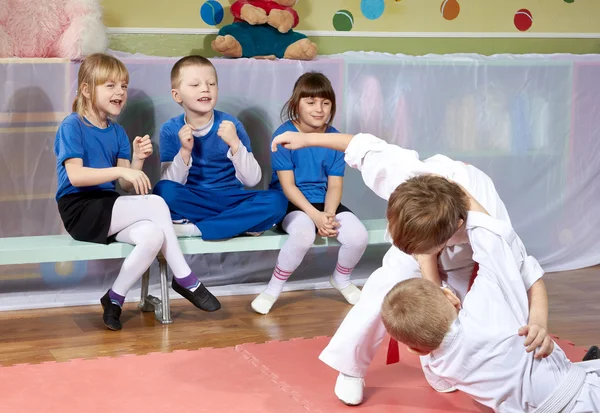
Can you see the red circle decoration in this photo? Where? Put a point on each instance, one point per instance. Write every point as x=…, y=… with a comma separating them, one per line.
x=523, y=20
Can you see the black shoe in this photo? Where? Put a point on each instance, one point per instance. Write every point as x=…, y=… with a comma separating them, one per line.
x=111, y=315
x=201, y=298
x=592, y=354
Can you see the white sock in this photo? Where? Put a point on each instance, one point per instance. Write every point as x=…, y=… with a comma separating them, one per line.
x=301, y=230
x=277, y=282
x=349, y=389
x=354, y=238
x=341, y=276
x=186, y=230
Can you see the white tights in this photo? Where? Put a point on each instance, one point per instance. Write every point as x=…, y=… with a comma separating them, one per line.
x=352, y=234
x=145, y=221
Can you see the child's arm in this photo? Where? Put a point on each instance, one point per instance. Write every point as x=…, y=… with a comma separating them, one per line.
x=383, y=166
x=176, y=153
x=333, y=197
x=538, y=304
x=247, y=169
x=536, y=329
x=335, y=182
x=323, y=220
x=142, y=149
x=429, y=268
x=297, y=140
x=81, y=176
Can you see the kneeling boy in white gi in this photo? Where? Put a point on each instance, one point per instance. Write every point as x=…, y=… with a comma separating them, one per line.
x=479, y=348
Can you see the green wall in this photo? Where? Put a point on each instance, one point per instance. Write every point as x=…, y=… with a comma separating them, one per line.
x=180, y=45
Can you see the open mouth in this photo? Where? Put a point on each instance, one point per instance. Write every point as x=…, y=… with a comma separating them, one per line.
x=116, y=102
x=204, y=100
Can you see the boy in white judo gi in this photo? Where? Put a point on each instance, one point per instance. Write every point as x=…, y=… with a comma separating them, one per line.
x=479, y=348
x=384, y=167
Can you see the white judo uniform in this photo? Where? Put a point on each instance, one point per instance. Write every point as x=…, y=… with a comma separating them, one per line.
x=483, y=355
x=383, y=167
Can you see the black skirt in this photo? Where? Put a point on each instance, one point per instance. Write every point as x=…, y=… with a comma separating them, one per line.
x=319, y=206
x=87, y=215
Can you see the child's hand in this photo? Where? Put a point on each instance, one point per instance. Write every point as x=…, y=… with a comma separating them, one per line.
x=228, y=133
x=138, y=179
x=186, y=138
x=454, y=300
x=142, y=147
x=537, y=337
x=326, y=224
x=289, y=140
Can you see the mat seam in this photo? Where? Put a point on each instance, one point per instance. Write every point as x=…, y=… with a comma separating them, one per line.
x=283, y=386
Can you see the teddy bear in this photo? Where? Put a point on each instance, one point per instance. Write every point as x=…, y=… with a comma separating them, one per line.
x=263, y=29
x=68, y=29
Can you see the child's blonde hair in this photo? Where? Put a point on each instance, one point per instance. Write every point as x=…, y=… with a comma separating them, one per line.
x=424, y=213
x=96, y=69
x=413, y=313
x=309, y=85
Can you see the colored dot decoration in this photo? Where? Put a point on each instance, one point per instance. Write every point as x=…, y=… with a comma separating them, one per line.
x=450, y=9
x=212, y=12
x=343, y=21
x=523, y=20
x=372, y=9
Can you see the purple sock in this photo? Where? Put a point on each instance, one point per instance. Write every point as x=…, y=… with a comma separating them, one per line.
x=116, y=298
x=191, y=282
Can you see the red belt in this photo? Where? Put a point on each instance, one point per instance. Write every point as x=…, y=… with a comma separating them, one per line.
x=393, y=353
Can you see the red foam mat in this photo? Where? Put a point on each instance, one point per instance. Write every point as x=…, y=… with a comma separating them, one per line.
x=206, y=380
x=278, y=376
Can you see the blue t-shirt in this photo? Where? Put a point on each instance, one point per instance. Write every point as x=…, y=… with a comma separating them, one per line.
x=211, y=168
x=311, y=166
x=98, y=148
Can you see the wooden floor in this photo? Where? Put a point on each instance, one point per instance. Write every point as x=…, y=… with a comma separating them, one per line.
x=77, y=332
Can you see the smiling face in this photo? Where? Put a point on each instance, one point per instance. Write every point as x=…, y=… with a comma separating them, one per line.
x=101, y=88
x=313, y=113
x=111, y=96
x=312, y=104
x=197, y=89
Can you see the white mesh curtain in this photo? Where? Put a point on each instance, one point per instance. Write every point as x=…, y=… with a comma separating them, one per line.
x=531, y=122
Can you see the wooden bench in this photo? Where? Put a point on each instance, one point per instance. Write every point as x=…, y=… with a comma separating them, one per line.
x=62, y=248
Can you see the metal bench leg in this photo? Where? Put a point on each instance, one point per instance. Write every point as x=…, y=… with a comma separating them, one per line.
x=165, y=313
x=146, y=304
x=149, y=303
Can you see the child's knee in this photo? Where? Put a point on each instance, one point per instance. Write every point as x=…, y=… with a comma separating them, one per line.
x=360, y=237
x=158, y=204
x=353, y=233
x=303, y=238
x=153, y=237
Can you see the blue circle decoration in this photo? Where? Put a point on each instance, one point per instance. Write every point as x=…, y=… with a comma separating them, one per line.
x=372, y=9
x=212, y=12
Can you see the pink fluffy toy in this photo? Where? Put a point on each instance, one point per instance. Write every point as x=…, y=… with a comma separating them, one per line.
x=69, y=29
